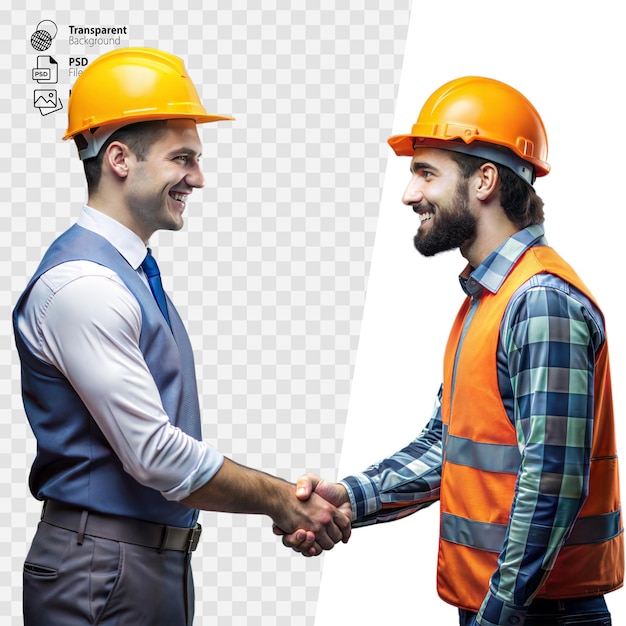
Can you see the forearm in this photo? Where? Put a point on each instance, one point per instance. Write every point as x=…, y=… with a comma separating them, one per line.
x=239, y=489
x=370, y=505
x=401, y=484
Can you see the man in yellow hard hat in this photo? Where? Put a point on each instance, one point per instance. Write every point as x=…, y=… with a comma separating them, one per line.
x=520, y=450
x=108, y=376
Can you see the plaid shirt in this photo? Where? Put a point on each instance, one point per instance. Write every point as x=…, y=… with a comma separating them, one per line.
x=549, y=337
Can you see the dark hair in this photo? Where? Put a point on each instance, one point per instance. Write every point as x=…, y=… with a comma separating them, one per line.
x=139, y=138
x=519, y=200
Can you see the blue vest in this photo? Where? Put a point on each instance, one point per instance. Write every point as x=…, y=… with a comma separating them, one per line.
x=75, y=464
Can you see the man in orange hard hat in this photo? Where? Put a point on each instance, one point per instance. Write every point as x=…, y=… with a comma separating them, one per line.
x=108, y=376
x=520, y=451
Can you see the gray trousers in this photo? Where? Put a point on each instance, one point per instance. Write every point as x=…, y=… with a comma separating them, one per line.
x=104, y=582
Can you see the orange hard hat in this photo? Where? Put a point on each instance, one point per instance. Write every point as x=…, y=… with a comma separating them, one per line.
x=130, y=85
x=484, y=117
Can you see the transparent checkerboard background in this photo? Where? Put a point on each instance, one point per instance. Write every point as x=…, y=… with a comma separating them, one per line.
x=270, y=272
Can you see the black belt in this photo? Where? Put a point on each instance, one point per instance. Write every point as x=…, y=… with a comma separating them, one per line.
x=115, y=528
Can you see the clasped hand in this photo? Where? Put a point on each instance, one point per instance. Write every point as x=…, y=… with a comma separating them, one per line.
x=309, y=542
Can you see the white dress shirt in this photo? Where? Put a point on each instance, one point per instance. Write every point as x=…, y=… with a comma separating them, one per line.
x=82, y=319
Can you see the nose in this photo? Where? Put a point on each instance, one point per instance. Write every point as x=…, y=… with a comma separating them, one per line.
x=195, y=178
x=413, y=193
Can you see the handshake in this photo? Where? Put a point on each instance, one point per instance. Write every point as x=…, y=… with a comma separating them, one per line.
x=311, y=516
x=330, y=524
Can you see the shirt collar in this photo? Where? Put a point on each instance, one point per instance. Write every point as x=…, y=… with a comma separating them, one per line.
x=124, y=240
x=492, y=272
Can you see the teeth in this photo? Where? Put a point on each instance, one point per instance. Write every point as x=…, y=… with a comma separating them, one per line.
x=181, y=197
x=424, y=217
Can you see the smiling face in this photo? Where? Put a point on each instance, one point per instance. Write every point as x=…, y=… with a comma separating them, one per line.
x=439, y=195
x=158, y=186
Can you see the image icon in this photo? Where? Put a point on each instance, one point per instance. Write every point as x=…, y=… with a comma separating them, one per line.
x=44, y=33
x=47, y=101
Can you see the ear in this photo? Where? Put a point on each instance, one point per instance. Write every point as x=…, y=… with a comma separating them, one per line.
x=486, y=181
x=116, y=158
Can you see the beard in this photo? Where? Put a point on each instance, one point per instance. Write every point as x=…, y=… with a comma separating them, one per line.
x=452, y=226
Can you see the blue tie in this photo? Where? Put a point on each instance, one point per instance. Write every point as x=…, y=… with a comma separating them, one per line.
x=151, y=270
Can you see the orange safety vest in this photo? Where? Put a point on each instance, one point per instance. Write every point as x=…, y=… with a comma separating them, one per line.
x=481, y=463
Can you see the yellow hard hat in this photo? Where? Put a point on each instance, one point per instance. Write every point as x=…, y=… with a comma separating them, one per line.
x=130, y=85
x=485, y=117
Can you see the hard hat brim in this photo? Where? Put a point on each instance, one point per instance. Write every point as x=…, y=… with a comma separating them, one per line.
x=404, y=145
x=143, y=117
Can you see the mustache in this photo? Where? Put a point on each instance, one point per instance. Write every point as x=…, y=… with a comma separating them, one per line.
x=423, y=206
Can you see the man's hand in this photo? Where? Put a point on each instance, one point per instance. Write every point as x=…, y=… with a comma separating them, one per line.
x=308, y=542
x=324, y=524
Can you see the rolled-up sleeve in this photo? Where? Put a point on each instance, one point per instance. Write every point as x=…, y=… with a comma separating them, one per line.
x=403, y=483
x=96, y=347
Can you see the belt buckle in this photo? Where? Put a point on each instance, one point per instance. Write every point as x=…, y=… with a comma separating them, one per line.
x=194, y=538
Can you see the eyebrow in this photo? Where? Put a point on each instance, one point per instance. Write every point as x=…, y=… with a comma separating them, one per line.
x=421, y=165
x=185, y=150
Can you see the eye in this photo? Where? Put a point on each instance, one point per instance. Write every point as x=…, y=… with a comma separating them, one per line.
x=183, y=158
x=423, y=172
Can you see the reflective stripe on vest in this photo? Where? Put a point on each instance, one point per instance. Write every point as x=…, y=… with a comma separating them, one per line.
x=489, y=457
x=490, y=537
